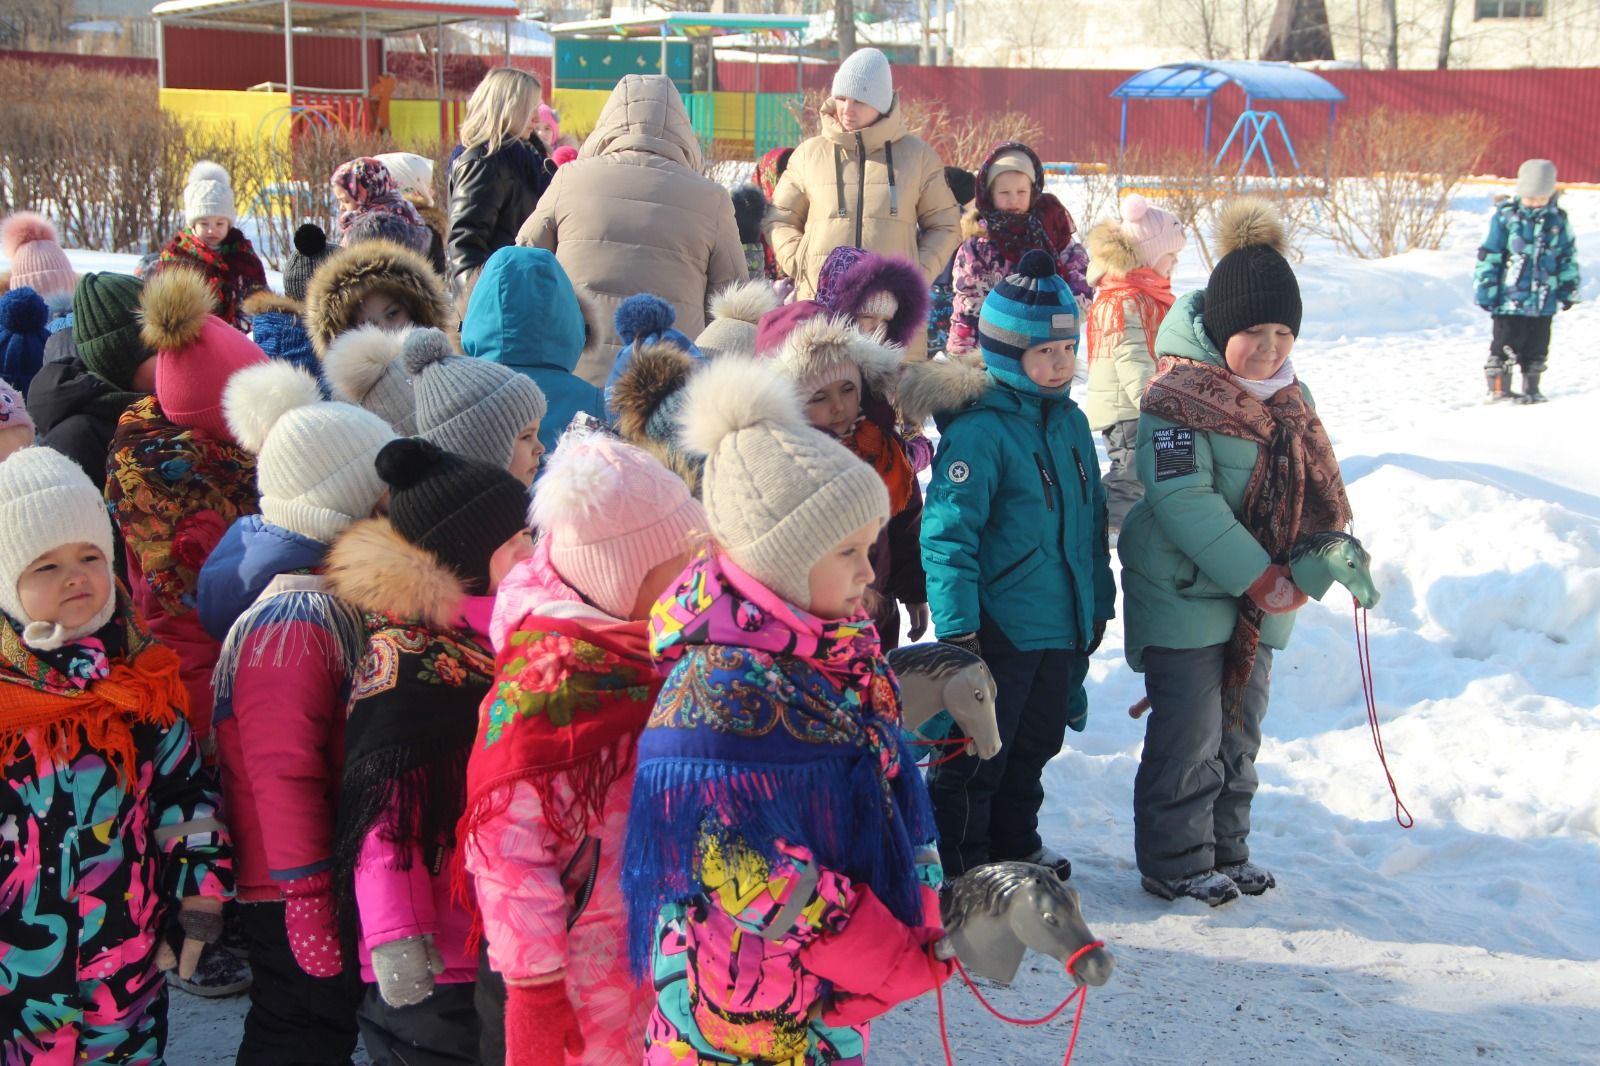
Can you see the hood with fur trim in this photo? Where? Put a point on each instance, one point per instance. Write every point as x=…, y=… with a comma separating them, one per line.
x=940, y=386
x=350, y=275
x=1111, y=252
x=265, y=301
x=826, y=341
x=850, y=276
x=374, y=568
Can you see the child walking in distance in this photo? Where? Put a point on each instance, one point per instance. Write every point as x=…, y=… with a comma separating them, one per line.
x=210, y=243
x=1236, y=467
x=1014, y=545
x=781, y=880
x=1527, y=269
x=106, y=814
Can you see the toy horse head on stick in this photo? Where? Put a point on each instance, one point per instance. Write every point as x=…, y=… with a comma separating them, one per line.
x=1317, y=560
x=940, y=683
x=993, y=913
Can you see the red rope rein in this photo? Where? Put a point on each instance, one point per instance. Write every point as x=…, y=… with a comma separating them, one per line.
x=957, y=744
x=1364, y=659
x=1081, y=994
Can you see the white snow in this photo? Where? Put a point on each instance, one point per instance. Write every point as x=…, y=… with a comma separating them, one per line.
x=1475, y=937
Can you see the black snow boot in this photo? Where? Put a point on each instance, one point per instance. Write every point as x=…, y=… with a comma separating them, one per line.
x=1530, y=388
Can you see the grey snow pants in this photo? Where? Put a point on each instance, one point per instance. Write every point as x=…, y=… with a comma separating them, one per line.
x=1191, y=796
x=1121, y=481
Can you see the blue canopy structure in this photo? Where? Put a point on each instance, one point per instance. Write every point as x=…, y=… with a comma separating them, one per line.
x=1201, y=79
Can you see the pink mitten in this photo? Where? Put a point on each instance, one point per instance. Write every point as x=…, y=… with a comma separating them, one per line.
x=310, y=923
x=1275, y=591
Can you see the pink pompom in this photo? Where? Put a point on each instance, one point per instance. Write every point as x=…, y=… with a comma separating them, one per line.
x=564, y=155
x=24, y=227
x=1134, y=207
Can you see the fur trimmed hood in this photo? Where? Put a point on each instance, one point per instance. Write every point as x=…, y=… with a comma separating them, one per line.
x=938, y=386
x=1111, y=252
x=350, y=275
x=266, y=302
x=825, y=341
x=850, y=275
x=374, y=568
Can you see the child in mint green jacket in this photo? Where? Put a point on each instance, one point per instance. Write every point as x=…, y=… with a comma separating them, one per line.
x=1014, y=546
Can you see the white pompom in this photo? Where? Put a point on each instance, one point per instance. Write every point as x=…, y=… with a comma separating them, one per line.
x=1134, y=207
x=258, y=396
x=733, y=394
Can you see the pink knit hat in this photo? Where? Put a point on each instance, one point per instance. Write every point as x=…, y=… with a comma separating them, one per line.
x=37, y=261
x=196, y=352
x=13, y=412
x=1155, y=232
x=611, y=514
x=548, y=117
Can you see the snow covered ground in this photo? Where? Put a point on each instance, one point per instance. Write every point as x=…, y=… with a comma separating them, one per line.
x=1475, y=937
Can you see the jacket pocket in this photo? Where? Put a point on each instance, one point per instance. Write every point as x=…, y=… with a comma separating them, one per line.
x=1016, y=573
x=1190, y=581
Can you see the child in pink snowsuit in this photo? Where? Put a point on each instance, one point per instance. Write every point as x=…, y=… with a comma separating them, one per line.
x=552, y=767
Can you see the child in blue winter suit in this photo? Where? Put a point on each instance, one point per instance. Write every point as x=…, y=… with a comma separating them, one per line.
x=1014, y=546
x=1527, y=268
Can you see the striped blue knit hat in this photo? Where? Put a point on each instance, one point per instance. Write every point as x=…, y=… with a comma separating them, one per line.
x=1030, y=307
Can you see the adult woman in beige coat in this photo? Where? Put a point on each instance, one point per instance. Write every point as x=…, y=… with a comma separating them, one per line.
x=863, y=181
x=633, y=214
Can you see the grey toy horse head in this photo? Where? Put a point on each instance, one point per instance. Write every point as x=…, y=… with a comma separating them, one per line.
x=942, y=677
x=1317, y=560
x=993, y=913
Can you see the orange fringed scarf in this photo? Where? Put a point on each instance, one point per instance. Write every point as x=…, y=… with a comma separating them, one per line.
x=43, y=715
x=878, y=448
x=1151, y=294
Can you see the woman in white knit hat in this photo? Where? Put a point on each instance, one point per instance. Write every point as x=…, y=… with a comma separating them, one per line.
x=210, y=243
x=774, y=760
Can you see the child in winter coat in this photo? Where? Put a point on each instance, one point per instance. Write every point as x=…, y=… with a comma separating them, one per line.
x=363, y=187
x=1236, y=468
x=473, y=407
x=289, y=656
x=278, y=323
x=16, y=428
x=1527, y=268
x=1014, y=545
x=210, y=243
x=108, y=819
x=525, y=314
x=425, y=578
x=552, y=769
x=23, y=335
x=1012, y=216
x=845, y=380
x=413, y=177
x=749, y=209
x=781, y=884
x=769, y=171
x=29, y=242
x=1130, y=265
x=374, y=283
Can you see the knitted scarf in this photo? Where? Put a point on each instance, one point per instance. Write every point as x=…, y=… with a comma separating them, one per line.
x=1294, y=489
x=87, y=696
x=232, y=269
x=775, y=726
x=1151, y=295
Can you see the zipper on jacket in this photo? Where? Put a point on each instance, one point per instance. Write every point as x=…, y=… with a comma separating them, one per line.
x=1048, y=482
x=861, y=187
x=590, y=848
x=1083, y=475
x=894, y=190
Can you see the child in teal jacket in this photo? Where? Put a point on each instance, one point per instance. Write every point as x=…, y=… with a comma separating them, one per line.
x=1014, y=546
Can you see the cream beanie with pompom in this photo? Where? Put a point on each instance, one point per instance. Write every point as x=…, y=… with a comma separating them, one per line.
x=611, y=514
x=208, y=192
x=314, y=458
x=779, y=495
x=47, y=501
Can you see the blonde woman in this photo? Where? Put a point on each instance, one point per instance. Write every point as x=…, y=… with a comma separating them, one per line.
x=500, y=174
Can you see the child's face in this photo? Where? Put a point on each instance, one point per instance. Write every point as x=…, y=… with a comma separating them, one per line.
x=67, y=586
x=13, y=439
x=508, y=555
x=655, y=585
x=853, y=114
x=1257, y=353
x=384, y=311
x=839, y=580
x=1051, y=365
x=526, y=454
x=546, y=135
x=1011, y=192
x=1536, y=202
x=870, y=324
x=144, y=378
x=834, y=408
x=211, y=229
x=1166, y=264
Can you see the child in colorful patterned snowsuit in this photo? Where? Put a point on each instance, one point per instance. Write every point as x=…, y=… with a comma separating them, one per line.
x=210, y=244
x=1527, y=269
x=425, y=578
x=1012, y=216
x=107, y=819
x=781, y=880
x=552, y=768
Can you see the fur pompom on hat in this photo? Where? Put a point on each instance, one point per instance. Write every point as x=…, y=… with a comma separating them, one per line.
x=823, y=349
x=1252, y=282
x=315, y=459
x=46, y=502
x=196, y=352
x=468, y=406
x=30, y=242
x=364, y=367
x=208, y=193
x=350, y=275
x=736, y=311
x=611, y=514
x=779, y=494
x=644, y=320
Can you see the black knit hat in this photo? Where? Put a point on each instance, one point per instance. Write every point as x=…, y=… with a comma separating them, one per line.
x=457, y=509
x=1252, y=283
x=105, y=327
x=310, y=249
x=963, y=184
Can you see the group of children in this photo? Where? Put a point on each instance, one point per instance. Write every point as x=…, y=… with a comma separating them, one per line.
x=529, y=722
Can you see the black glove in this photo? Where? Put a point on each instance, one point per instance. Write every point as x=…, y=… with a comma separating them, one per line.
x=1099, y=635
x=966, y=642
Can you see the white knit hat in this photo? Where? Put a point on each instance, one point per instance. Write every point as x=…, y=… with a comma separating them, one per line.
x=47, y=501
x=208, y=192
x=363, y=367
x=865, y=76
x=412, y=173
x=314, y=458
x=779, y=495
x=468, y=406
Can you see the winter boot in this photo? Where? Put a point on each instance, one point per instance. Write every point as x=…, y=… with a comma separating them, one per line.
x=1212, y=887
x=1058, y=863
x=1251, y=879
x=1499, y=385
x=1530, y=388
x=218, y=976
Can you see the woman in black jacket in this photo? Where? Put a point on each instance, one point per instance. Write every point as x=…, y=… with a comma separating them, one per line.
x=499, y=176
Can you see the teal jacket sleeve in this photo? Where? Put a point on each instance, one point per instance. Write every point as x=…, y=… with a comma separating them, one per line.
x=1488, y=277
x=966, y=476
x=1568, y=281
x=1105, y=585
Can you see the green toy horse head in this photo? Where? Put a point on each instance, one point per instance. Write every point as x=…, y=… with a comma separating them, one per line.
x=1317, y=560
